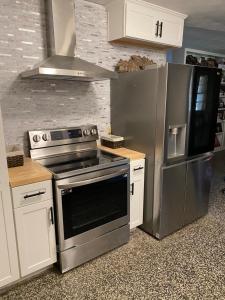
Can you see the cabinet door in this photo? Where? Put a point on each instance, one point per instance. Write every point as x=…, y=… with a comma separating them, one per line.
x=170, y=29
x=140, y=22
x=137, y=193
x=9, y=271
x=36, y=236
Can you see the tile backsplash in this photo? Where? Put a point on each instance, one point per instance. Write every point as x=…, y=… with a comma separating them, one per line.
x=33, y=104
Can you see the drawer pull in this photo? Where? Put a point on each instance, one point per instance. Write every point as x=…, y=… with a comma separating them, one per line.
x=138, y=169
x=34, y=195
x=132, y=189
x=52, y=215
x=161, y=29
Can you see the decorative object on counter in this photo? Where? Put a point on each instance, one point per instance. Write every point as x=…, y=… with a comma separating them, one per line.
x=15, y=156
x=112, y=141
x=135, y=63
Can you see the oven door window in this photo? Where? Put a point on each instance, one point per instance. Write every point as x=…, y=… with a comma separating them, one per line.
x=89, y=206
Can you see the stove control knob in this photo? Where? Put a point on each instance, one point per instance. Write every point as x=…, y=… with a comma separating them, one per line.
x=94, y=131
x=36, y=138
x=87, y=132
x=45, y=137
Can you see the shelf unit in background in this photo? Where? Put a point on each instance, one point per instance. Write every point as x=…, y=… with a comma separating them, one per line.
x=220, y=135
x=220, y=59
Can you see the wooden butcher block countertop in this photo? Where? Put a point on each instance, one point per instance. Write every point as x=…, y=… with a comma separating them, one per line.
x=131, y=154
x=30, y=172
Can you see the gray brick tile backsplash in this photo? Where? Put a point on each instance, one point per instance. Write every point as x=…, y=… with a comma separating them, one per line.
x=33, y=104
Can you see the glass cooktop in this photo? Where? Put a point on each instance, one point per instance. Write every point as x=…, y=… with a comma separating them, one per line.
x=94, y=159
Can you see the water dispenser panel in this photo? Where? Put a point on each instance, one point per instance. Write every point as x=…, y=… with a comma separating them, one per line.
x=176, y=141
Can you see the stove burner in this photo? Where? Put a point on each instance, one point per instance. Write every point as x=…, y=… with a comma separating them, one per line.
x=98, y=159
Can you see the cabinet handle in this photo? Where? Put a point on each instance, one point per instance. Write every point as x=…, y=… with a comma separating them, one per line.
x=137, y=169
x=52, y=215
x=157, y=29
x=132, y=189
x=33, y=195
x=161, y=29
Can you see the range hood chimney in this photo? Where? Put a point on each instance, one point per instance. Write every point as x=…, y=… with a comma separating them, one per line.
x=61, y=63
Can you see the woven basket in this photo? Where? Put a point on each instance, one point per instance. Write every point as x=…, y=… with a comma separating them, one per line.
x=15, y=156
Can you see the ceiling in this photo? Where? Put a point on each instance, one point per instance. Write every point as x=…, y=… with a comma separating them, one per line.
x=207, y=14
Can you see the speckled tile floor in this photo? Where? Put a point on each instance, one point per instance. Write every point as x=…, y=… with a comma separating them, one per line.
x=189, y=264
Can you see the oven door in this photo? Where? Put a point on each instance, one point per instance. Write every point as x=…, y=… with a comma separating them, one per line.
x=91, y=204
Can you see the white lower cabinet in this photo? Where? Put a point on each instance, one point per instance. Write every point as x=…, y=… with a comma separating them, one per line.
x=35, y=227
x=9, y=270
x=137, y=192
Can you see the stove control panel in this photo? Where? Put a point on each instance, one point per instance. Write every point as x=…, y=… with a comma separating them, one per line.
x=64, y=136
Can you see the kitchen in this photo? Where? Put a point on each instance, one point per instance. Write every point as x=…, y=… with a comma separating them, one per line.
x=33, y=104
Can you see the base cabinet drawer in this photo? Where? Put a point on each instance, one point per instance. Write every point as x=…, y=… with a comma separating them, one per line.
x=35, y=236
x=137, y=168
x=32, y=193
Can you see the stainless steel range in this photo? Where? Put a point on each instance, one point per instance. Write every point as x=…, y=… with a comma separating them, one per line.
x=91, y=192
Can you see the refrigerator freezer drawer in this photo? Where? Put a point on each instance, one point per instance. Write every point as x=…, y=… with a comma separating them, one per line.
x=185, y=194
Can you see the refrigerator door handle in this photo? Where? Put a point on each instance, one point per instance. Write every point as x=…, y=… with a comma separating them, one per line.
x=201, y=158
x=204, y=158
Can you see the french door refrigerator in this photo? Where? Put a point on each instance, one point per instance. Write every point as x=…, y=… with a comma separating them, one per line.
x=170, y=114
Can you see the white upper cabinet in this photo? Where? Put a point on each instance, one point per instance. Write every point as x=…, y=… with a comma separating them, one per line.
x=137, y=21
x=140, y=23
x=9, y=270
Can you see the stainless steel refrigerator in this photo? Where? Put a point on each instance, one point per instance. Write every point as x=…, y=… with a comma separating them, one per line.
x=170, y=114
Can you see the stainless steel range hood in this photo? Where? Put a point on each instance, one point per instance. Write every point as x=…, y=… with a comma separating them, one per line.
x=61, y=63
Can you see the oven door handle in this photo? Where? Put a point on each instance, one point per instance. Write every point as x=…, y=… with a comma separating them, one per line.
x=92, y=180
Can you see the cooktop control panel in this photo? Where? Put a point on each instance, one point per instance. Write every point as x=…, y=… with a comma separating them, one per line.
x=63, y=136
